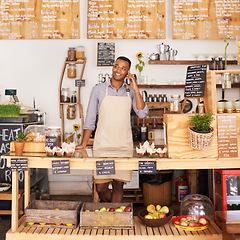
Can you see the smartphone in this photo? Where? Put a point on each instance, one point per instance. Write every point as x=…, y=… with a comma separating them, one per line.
x=127, y=80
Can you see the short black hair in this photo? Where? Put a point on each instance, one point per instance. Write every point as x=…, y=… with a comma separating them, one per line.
x=124, y=59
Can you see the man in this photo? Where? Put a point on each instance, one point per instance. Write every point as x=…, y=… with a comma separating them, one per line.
x=113, y=101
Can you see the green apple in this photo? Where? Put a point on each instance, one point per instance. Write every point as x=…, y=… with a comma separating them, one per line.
x=122, y=207
x=103, y=209
x=119, y=210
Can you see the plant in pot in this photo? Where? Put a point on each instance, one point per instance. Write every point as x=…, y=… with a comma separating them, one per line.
x=19, y=143
x=200, y=132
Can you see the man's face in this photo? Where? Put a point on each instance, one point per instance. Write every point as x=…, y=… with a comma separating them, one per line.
x=120, y=70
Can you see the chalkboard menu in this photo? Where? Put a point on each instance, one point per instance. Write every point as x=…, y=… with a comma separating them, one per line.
x=227, y=136
x=105, y=54
x=205, y=19
x=39, y=19
x=51, y=141
x=60, y=167
x=105, y=167
x=19, y=164
x=195, y=81
x=147, y=167
x=118, y=19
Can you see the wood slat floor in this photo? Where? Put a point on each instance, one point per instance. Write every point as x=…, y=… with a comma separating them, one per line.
x=139, y=231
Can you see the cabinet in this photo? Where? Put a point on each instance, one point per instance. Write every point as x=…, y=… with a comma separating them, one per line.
x=78, y=104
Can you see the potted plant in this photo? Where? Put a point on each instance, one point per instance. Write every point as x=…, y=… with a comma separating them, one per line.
x=19, y=143
x=200, y=132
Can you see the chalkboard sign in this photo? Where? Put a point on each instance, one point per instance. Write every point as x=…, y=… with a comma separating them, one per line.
x=147, y=167
x=105, y=54
x=19, y=164
x=105, y=167
x=7, y=135
x=195, y=81
x=51, y=141
x=60, y=167
x=227, y=136
x=79, y=82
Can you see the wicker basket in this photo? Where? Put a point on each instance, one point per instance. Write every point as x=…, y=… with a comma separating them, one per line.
x=200, y=141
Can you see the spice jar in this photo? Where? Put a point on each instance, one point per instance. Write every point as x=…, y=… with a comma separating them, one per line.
x=74, y=97
x=71, y=54
x=54, y=135
x=72, y=71
x=65, y=95
x=71, y=112
x=80, y=52
x=175, y=105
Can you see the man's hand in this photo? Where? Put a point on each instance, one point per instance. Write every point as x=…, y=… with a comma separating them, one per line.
x=133, y=83
x=79, y=147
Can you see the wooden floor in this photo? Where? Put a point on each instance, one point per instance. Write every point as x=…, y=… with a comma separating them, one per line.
x=139, y=231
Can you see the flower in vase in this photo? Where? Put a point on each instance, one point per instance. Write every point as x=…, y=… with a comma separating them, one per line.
x=76, y=127
x=139, y=66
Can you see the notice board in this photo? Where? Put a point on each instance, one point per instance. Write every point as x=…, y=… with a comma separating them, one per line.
x=105, y=54
x=124, y=19
x=205, y=19
x=39, y=19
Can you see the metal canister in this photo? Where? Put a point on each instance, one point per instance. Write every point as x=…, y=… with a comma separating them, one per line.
x=155, y=98
x=164, y=98
x=150, y=98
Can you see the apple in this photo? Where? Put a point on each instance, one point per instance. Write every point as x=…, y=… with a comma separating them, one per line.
x=122, y=207
x=103, y=209
x=118, y=210
x=127, y=209
x=162, y=215
x=151, y=208
x=149, y=216
x=158, y=207
x=111, y=209
x=164, y=209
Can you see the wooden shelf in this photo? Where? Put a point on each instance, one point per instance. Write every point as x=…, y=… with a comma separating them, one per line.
x=76, y=62
x=69, y=103
x=186, y=62
x=161, y=86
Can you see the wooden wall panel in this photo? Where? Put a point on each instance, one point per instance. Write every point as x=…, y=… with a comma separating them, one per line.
x=118, y=19
x=39, y=19
x=205, y=19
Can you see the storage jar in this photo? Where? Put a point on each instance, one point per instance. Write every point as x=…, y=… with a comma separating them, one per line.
x=80, y=52
x=72, y=71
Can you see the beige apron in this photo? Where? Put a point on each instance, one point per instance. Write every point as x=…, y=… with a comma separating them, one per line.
x=114, y=131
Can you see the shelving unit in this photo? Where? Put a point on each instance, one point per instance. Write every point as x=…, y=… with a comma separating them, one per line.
x=186, y=62
x=78, y=103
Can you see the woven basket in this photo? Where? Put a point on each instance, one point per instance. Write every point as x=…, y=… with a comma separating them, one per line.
x=200, y=141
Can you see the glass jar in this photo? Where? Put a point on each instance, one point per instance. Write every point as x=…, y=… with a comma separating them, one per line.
x=80, y=52
x=74, y=97
x=68, y=137
x=71, y=54
x=71, y=112
x=65, y=95
x=53, y=136
x=175, y=105
x=72, y=71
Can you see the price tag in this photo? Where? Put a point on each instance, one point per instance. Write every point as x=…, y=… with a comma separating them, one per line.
x=60, y=167
x=147, y=167
x=79, y=83
x=105, y=167
x=19, y=164
x=51, y=141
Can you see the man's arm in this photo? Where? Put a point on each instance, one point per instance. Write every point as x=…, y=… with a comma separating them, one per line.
x=86, y=135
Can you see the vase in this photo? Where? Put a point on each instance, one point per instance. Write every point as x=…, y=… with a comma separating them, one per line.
x=19, y=146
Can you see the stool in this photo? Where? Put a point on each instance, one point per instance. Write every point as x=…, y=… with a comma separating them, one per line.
x=8, y=196
x=230, y=221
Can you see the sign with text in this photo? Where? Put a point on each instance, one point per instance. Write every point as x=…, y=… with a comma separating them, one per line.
x=227, y=136
x=195, y=81
x=105, y=167
x=19, y=164
x=147, y=167
x=79, y=83
x=105, y=54
x=60, y=167
x=51, y=141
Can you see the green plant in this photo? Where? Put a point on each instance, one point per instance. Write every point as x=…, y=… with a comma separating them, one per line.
x=21, y=137
x=202, y=122
x=227, y=43
x=139, y=66
x=10, y=110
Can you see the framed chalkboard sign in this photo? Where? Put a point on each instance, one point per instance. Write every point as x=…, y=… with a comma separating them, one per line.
x=105, y=54
x=195, y=81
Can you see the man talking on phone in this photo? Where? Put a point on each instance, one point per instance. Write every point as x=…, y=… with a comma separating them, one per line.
x=113, y=101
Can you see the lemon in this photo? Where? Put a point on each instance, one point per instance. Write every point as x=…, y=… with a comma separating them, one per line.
x=69, y=224
x=57, y=224
x=42, y=223
x=30, y=223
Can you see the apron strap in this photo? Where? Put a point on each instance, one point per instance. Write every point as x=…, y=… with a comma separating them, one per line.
x=127, y=89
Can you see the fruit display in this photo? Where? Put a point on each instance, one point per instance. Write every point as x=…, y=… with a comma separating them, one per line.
x=156, y=212
x=113, y=209
x=191, y=223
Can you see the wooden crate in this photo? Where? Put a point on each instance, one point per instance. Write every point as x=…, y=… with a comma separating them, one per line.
x=44, y=211
x=30, y=147
x=114, y=220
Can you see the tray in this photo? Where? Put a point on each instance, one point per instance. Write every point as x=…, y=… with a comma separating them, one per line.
x=14, y=119
x=4, y=187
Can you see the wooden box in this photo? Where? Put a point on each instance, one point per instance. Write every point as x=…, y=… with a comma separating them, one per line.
x=30, y=147
x=52, y=213
x=114, y=220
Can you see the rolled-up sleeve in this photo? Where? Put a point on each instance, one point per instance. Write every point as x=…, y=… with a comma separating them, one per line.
x=140, y=113
x=92, y=110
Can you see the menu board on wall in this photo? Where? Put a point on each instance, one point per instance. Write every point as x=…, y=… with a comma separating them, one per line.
x=39, y=19
x=205, y=19
x=117, y=19
x=105, y=54
x=227, y=136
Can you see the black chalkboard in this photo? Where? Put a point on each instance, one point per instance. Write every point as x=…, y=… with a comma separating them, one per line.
x=105, y=54
x=19, y=164
x=147, y=167
x=105, y=167
x=60, y=167
x=195, y=81
x=51, y=141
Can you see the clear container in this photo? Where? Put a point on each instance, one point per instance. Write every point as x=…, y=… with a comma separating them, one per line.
x=36, y=133
x=71, y=112
x=175, y=105
x=74, y=97
x=71, y=54
x=68, y=137
x=72, y=70
x=65, y=95
x=54, y=132
x=80, y=52
x=197, y=205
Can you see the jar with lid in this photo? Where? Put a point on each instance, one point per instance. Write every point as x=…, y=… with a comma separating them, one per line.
x=71, y=54
x=74, y=97
x=72, y=71
x=65, y=95
x=71, y=112
x=80, y=52
x=53, y=137
x=68, y=137
x=175, y=105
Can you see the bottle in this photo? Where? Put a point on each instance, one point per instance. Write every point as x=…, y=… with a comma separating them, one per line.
x=143, y=132
x=213, y=64
x=65, y=95
x=73, y=97
x=220, y=64
x=72, y=71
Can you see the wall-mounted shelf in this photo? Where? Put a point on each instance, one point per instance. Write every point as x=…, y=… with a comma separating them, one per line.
x=186, y=62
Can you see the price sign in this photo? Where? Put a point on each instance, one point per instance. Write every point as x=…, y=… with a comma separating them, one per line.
x=105, y=167
x=147, y=167
x=105, y=54
x=51, y=141
x=79, y=83
x=60, y=167
x=19, y=164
